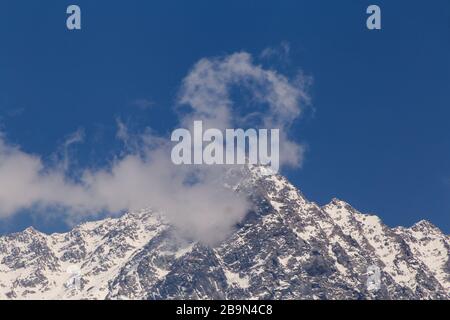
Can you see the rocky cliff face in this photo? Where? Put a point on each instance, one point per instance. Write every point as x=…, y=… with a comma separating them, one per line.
x=286, y=248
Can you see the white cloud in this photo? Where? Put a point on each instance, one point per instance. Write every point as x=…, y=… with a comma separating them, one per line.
x=205, y=210
x=143, y=175
x=207, y=90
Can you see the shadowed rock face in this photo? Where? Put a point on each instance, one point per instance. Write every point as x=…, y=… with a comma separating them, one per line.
x=285, y=248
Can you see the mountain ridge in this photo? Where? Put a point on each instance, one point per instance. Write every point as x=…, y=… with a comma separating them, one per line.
x=285, y=248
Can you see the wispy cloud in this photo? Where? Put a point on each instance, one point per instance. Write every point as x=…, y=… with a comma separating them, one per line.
x=281, y=52
x=142, y=103
x=72, y=139
x=16, y=112
x=142, y=175
x=207, y=90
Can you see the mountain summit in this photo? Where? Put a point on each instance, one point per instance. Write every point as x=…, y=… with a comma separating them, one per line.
x=286, y=248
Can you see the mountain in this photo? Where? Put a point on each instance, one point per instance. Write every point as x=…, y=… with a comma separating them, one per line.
x=286, y=248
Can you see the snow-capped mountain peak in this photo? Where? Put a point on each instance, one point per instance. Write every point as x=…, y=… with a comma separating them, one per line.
x=286, y=248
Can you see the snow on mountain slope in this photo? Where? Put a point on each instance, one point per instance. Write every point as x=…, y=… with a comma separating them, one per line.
x=35, y=265
x=431, y=247
x=285, y=248
x=392, y=247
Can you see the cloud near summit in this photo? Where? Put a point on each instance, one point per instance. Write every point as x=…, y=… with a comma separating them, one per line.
x=143, y=176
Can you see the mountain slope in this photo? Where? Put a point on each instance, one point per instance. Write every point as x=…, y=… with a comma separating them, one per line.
x=286, y=248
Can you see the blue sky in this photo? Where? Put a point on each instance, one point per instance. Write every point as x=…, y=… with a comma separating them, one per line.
x=377, y=130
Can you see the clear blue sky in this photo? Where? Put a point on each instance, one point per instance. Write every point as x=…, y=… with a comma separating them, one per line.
x=378, y=135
